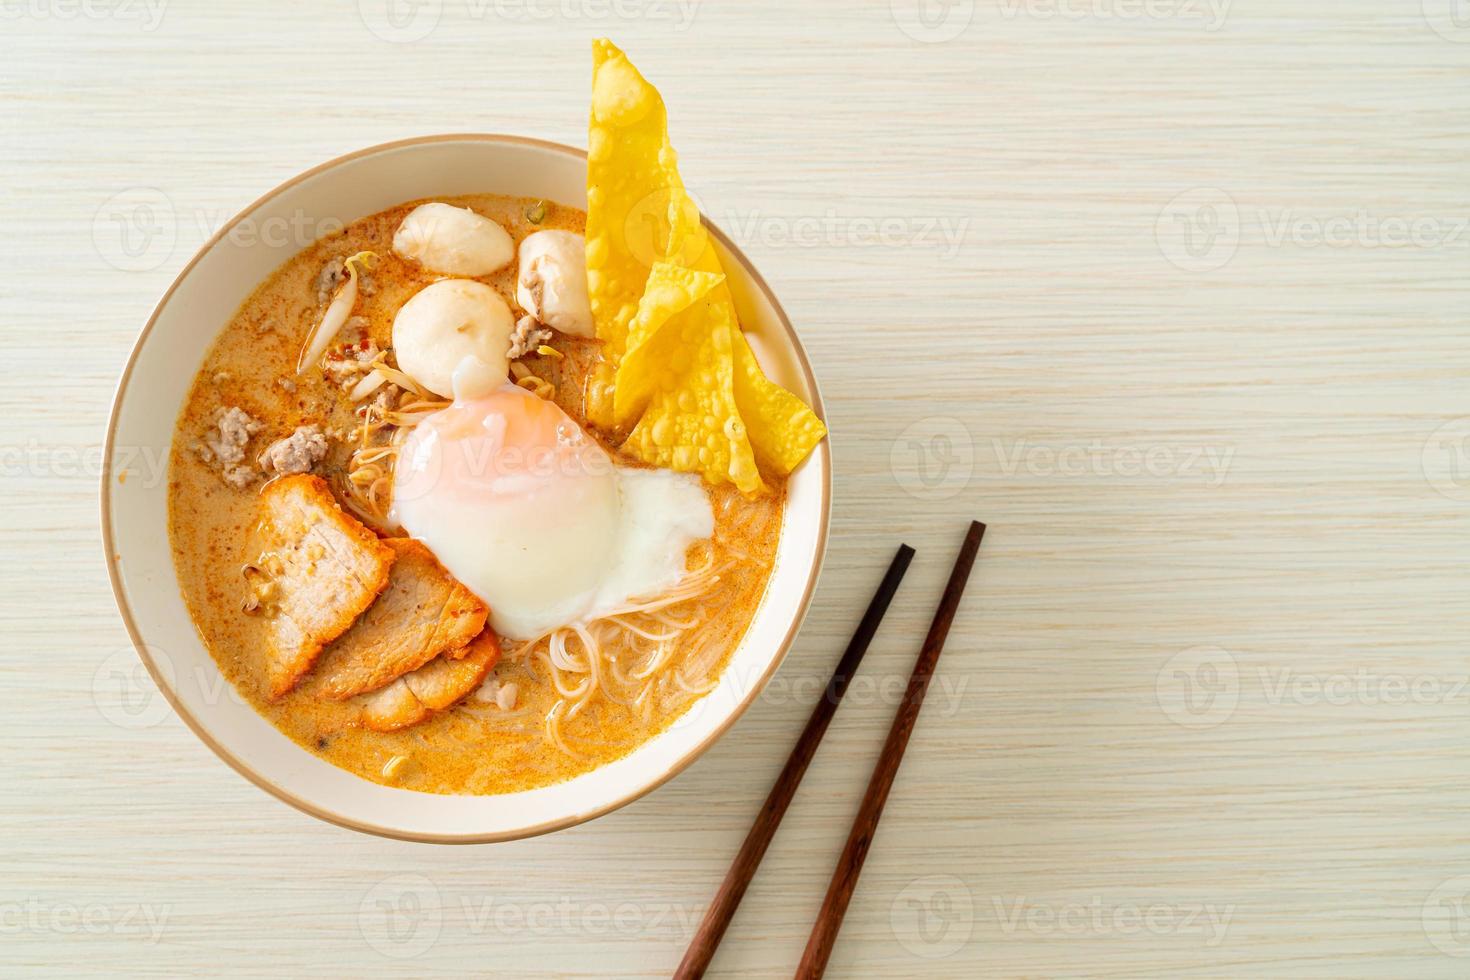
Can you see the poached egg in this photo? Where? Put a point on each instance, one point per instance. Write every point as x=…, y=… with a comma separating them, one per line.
x=535, y=518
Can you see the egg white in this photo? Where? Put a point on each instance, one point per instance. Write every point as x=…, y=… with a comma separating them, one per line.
x=534, y=517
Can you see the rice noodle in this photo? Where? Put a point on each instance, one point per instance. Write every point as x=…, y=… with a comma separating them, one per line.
x=656, y=653
x=553, y=728
x=652, y=657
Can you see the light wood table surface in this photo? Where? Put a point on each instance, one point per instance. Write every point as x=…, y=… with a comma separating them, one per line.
x=1171, y=293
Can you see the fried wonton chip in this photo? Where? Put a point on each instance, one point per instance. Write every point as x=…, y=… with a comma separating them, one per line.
x=653, y=350
x=782, y=429
x=691, y=422
x=630, y=170
x=671, y=340
x=689, y=243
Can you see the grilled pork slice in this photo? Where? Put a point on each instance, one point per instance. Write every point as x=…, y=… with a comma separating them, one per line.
x=422, y=613
x=324, y=569
x=435, y=686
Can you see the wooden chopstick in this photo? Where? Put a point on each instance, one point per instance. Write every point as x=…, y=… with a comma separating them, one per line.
x=732, y=889
x=844, y=878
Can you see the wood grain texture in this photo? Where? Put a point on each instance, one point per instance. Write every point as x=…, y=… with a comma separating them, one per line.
x=818, y=952
x=1176, y=305
x=726, y=901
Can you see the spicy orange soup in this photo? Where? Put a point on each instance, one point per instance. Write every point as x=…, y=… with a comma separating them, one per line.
x=550, y=709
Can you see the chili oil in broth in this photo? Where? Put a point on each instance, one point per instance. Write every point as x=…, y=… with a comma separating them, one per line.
x=474, y=748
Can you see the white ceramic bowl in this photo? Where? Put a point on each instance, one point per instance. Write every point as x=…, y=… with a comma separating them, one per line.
x=134, y=510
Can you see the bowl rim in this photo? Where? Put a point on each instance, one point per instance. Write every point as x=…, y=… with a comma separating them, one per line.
x=112, y=559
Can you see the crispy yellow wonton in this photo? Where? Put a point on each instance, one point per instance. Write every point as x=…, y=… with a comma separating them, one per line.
x=675, y=360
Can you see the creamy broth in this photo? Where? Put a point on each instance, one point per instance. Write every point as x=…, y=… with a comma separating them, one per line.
x=476, y=747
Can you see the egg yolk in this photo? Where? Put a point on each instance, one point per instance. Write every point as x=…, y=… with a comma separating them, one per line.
x=516, y=501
